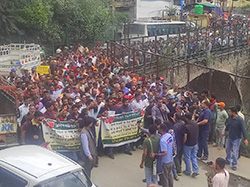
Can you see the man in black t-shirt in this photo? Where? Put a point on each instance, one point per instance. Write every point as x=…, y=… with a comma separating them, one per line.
x=190, y=145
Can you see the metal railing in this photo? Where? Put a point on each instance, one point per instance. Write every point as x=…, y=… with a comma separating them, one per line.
x=196, y=45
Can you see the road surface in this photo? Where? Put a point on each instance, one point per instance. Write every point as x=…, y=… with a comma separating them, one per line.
x=124, y=171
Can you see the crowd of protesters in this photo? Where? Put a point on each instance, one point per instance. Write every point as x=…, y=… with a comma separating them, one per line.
x=223, y=34
x=84, y=85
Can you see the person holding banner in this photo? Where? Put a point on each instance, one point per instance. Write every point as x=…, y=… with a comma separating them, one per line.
x=88, y=153
x=123, y=110
x=108, y=110
x=137, y=103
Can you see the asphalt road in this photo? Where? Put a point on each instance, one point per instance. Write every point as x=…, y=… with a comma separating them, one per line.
x=124, y=171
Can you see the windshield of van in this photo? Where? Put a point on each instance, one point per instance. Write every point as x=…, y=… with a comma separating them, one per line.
x=76, y=179
x=136, y=29
x=164, y=29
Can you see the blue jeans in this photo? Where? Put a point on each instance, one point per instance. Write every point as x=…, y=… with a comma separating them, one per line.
x=150, y=178
x=202, y=143
x=190, y=154
x=232, y=146
x=174, y=170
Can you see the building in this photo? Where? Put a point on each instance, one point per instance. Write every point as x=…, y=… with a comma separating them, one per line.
x=152, y=8
x=126, y=6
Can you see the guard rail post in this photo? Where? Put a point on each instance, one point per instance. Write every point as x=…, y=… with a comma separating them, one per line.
x=188, y=73
x=133, y=60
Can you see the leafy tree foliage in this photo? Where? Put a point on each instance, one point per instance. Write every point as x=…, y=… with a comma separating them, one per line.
x=68, y=21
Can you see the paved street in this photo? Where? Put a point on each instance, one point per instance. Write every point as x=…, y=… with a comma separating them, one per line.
x=124, y=171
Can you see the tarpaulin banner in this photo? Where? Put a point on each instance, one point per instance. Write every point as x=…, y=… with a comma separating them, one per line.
x=121, y=129
x=42, y=69
x=8, y=130
x=8, y=124
x=62, y=136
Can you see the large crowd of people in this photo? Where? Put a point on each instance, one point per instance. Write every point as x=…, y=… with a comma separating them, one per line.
x=84, y=85
x=222, y=34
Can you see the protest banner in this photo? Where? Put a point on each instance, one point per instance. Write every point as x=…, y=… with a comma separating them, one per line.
x=121, y=129
x=63, y=136
x=42, y=69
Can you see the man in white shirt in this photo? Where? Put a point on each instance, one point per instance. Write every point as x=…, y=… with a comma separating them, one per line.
x=126, y=78
x=137, y=104
x=221, y=178
x=23, y=109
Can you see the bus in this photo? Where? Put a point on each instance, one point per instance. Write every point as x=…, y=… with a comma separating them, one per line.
x=152, y=28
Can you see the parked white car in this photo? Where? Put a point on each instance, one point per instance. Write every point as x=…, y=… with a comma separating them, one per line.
x=30, y=165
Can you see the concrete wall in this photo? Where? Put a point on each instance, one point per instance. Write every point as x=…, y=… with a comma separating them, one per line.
x=234, y=91
x=6, y=105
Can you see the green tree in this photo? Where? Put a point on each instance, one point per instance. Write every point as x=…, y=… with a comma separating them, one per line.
x=7, y=22
x=64, y=21
x=35, y=15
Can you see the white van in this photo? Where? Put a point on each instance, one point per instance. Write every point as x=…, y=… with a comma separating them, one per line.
x=30, y=165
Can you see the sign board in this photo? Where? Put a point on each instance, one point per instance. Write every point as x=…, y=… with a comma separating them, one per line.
x=8, y=130
x=42, y=69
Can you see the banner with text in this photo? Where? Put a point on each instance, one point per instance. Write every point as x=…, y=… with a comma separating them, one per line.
x=8, y=130
x=62, y=136
x=121, y=129
x=42, y=69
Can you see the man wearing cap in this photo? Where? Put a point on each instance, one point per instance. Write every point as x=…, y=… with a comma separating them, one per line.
x=171, y=106
x=88, y=153
x=220, y=125
x=12, y=75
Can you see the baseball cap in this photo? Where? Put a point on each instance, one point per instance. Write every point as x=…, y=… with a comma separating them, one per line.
x=77, y=100
x=178, y=107
x=221, y=104
x=13, y=69
x=172, y=97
